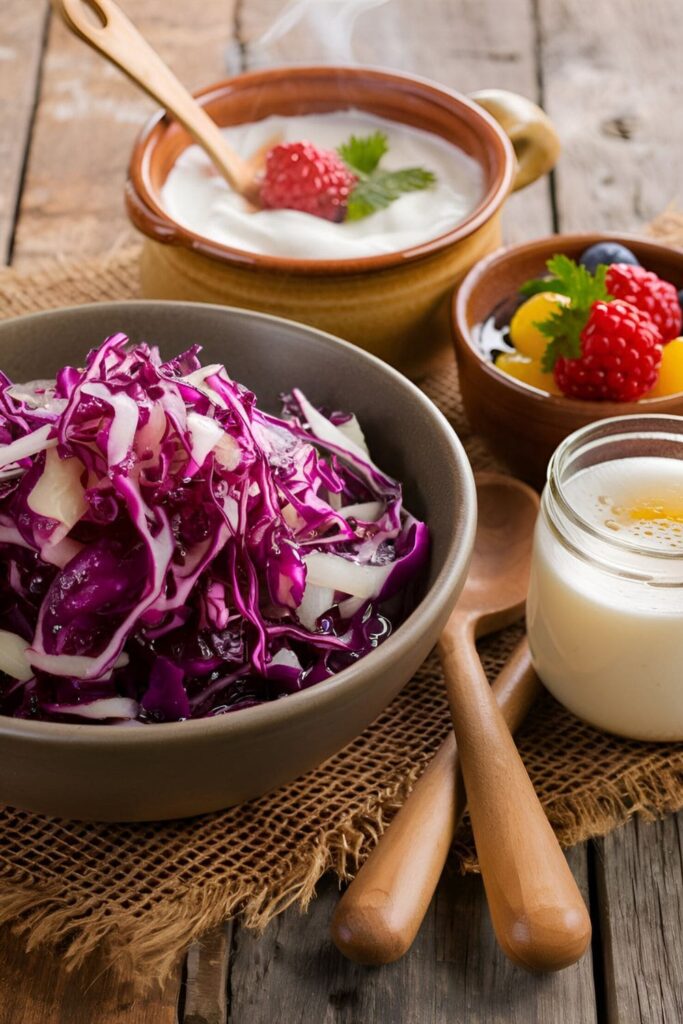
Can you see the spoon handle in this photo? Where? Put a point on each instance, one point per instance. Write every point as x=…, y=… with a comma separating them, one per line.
x=380, y=913
x=537, y=911
x=104, y=26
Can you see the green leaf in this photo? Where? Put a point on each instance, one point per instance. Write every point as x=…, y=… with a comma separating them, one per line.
x=543, y=284
x=380, y=189
x=563, y=328
x=376, y=189
x=364, y=154
x=563, y=331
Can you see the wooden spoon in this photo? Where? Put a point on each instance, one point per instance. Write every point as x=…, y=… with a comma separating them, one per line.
x=537, y=911
x=381, y=912
x=117, y=39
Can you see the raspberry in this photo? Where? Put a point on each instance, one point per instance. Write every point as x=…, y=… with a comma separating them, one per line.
x=299, y=176
x=647, y=292
x=621, y=350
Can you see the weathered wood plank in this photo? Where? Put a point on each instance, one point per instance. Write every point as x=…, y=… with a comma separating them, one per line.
x=34, y=989
x=463, y=44
x=454, y=972
x=87, y=119
x=207, y=978
x=22, y=30
x=478, y=980
x=607, y=87
x=640, y=890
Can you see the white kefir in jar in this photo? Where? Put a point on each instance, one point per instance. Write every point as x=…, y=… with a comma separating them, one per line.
x=605, y=608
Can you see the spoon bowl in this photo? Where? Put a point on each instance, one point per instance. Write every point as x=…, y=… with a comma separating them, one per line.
x=496, y=588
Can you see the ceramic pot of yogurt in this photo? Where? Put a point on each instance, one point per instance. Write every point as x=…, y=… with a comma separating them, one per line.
x=605, y=603
x=383, y=282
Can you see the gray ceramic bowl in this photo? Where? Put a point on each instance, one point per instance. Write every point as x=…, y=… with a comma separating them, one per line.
x=185, y=768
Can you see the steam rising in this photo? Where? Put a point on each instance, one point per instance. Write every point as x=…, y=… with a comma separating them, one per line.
x=311, y=32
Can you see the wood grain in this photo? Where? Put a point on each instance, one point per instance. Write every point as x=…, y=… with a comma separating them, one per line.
x=20, y=55
x=88, y=117
x=463, y=44
x=640, y=892
x=605, y=68
x=34, y=989
x=454, y=972
x=206, y=978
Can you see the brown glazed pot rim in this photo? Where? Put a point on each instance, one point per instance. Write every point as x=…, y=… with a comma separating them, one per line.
x=351, y=681
x=490, y=265
x=150, y=217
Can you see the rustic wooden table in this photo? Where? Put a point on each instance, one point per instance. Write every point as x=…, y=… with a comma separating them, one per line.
x=609, y=75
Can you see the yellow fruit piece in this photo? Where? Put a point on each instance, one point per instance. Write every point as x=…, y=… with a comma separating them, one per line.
x=527, y=338
x=528, y=371
x=670, y=380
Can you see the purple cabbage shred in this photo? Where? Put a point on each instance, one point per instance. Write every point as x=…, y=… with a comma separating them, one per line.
x=169, y=551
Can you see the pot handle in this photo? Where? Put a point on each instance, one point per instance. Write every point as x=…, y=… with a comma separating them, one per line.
x=529, y=129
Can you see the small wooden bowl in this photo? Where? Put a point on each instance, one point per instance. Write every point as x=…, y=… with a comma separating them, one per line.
x=521, y=424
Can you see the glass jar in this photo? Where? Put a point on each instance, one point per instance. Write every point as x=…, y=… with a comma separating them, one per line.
x=605, y=606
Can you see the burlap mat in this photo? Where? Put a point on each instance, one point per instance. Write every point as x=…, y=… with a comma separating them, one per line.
x=141, y=893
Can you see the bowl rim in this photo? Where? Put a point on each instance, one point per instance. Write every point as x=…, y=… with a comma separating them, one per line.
x=153, y=220
x=462, y=333
x=271, y=716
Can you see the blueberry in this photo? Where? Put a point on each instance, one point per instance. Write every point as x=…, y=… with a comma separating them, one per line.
x=607, y=253
x=680, y=299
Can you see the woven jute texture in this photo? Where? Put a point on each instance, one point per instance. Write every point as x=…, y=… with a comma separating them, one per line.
x=141, y=893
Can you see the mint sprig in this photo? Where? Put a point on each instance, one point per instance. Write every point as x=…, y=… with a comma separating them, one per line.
x=563, y=328
x=379, y=190
x=363, y=154
x=376, y=189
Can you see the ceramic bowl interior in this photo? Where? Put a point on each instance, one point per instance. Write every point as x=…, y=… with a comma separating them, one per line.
x=305, y=90
x=184, y=768
x=522, y=424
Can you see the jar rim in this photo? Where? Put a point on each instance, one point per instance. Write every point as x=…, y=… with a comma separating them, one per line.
x=592, y=435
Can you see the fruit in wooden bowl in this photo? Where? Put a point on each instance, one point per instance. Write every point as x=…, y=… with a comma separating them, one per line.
x=524, y=400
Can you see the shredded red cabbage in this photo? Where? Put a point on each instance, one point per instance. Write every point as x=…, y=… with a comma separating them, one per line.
x=170, y=551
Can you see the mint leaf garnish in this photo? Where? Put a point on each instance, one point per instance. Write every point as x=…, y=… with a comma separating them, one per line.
x=379, y=190
x=376, y=189
x=563, y=329
x=363, y=155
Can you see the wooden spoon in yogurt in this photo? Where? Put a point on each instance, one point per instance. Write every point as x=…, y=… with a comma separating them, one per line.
x=104, y=26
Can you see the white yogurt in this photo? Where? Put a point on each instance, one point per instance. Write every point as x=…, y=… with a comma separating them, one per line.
x=199, y=199
x=606, y=635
